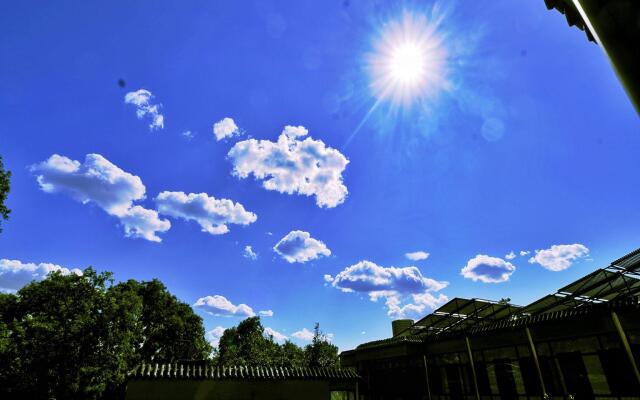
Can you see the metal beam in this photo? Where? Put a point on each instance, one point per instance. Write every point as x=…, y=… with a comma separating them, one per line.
x=473, y=368
x=426, y=377
x=534, y=354
x=625, y=344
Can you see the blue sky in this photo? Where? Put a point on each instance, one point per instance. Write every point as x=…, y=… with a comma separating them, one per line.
x=521, y=139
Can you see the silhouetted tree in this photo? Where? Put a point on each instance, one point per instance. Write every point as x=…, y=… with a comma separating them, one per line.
x=4, y=192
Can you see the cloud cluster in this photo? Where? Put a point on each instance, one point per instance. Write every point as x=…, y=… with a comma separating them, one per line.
x=292, y=165
x=104, y=184
x=249, y=253
x=510, y=256
x=417, y=255
x=299, y=246
x=15, y=274
x=213, y=336
x=266, y=313
x=210, y=213
x=488, y=269
x=395, y=285
x=304, y=334
x=277, y=336
x=559, y=257
x=225, y=128
x=142, y=100
x=221, y=307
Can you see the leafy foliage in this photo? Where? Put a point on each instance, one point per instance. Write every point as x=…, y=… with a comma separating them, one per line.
x=247, y=344
x=72, y=336
x=4, y=191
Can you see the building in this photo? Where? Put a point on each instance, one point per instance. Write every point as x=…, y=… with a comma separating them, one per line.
x=582, y=342
x=202, y=381
x=614, y=26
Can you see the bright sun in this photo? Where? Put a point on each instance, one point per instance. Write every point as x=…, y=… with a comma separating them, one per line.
x=409, y=62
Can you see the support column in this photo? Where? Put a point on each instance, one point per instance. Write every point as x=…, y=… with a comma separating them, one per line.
x=534, y=354
x=473, y=368
x=625, y=344
x=426, y=377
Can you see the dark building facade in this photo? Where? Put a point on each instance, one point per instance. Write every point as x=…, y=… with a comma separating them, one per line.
x=582, y=342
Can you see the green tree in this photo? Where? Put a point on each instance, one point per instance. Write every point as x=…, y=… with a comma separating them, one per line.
x=321, y=353
x=4, y=192
x=71, y=336
x=246, y=344
x=169, y=330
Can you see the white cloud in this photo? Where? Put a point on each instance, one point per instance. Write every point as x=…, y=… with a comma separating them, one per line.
x=249, y=253
x=524, y=253
x=188, y=134
x=104, y=184
x=213, y=336
x=15, y=274
x=140, y=222
x=291, y=165
x=396, y=285
x=510, y=256
x=219, y=306
x=417, y=255
x=299, y=246
x=142, y=100
x=304, y=334
x=210, y=213
x=266, y=313
x=559, y=257
x=225, y=128
x=488, y=269
x=277, y=336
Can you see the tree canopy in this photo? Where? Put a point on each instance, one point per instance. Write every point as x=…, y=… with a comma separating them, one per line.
x=248, y=344
x=72, y=336
x=4, y=192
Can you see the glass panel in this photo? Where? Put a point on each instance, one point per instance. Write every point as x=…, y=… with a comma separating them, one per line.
x=482, y=376
x=506, y=379
x=575, y=375
x=596, y=374
x=530, y=376
x=619, y=373
x=583, y=345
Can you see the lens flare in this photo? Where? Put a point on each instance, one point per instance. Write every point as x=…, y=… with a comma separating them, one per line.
x=409, y=61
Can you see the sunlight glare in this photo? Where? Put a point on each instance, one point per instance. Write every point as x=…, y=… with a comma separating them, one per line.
x=409, y=60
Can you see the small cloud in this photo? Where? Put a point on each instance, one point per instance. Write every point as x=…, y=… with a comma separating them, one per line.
x=266, y=313
x=510, y=256
x=299, y=246
x=304, y=335
x=277, y=336
x=269, y=233
x=188, y=134
x=524, y=253
x=213, y=336
x=488, y=269
x=363, y=333
x=142, y=100
x=292, y=165
x=249, y=253
x=210, y=213
x=15, y=274
x=219, y=306
x=559, y=257
x=417, y=255
x=225, y=128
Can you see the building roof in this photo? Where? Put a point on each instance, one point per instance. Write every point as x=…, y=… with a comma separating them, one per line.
x=186, y=370
x=617, y=284
x=572, y=15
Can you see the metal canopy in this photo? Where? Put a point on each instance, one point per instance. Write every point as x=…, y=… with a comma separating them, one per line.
x=619, y=280
x=460, y=314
